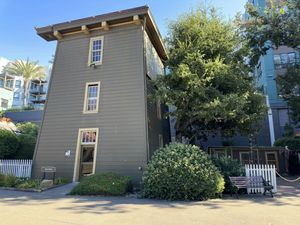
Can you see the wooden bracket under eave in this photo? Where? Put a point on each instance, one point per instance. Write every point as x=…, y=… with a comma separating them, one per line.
x=105, y=25
x=85, y=29
x=136, y=19
x=57, y=35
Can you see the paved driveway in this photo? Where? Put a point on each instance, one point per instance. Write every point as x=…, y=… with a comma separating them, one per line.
x=53, y=207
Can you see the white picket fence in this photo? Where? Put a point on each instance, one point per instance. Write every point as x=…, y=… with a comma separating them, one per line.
x=268, y=172
x=18, y=168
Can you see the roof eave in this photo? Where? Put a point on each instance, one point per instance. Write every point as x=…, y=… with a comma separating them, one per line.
x=47, y=32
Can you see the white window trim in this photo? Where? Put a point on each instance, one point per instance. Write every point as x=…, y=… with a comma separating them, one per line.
x=241, y=153
x=90, y=50
x=276, y=158
x=85, y=111
x=78, y=149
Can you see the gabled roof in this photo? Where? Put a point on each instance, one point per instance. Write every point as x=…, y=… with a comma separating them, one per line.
x=104, y=21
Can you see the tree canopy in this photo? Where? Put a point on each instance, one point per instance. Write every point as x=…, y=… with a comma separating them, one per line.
x=278, y=24
x=275, y=25
x=209, y=81
x=289, y=88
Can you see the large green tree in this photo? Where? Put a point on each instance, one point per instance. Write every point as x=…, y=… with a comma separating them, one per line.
x=289, y=88
x=209, y=81
x=278, y=24
x=29, y=70
x=275, y=25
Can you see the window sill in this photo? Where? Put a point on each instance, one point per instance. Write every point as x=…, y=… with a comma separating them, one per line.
x=87, y=112
x=94, y=64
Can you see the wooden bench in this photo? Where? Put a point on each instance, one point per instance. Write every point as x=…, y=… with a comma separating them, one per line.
x=251, y=182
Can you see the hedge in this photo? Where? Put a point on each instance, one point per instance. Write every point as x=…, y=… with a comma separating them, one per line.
x=103, y=184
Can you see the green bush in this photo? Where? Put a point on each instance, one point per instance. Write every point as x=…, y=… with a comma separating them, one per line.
x=291, y=142
x=13, y=110
x=11, y=181
x=2, y=180
x=103, y=184
x=26, y=147
x=61, y=180
x=27, y=108
x=26, y=184
x=28, y=128
x=8, y=144
x=229, y=167
x=181, y=172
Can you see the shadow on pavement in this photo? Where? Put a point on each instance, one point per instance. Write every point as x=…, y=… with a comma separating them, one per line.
x=287, y=195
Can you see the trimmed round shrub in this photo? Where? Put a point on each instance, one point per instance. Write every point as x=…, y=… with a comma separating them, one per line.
x=8, y=144
x=229, y=167
x=103, y=184
x=181, y=172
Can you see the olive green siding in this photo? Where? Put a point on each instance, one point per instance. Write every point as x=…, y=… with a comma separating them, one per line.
x=122, y=138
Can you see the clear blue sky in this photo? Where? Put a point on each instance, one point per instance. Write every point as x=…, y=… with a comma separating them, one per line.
x=18, y=39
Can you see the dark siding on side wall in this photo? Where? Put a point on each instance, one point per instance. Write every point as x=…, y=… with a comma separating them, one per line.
x=156, y=126
x=121, y=117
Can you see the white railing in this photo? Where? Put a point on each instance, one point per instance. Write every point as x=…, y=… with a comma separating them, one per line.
x=268, y=172
x=18, y=168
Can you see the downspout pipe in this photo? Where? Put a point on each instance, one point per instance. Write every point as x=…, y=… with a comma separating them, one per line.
x=271, y=123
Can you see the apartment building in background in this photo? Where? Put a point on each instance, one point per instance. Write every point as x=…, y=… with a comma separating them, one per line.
x=6, y=87
x=271, y=65
x=12, y=89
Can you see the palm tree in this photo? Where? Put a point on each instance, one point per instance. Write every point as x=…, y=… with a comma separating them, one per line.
x=29, y=70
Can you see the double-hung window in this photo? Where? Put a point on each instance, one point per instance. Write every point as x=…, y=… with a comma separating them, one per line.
x=9, y=83
x=4, y=103
x=18, y=84
x=91, y=101
x=96, y=50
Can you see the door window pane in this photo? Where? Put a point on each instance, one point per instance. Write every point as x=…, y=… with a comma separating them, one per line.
x=88, y=137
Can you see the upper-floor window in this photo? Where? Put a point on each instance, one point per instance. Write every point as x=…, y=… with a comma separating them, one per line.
x=4, y=103
x=91, y=100
x=96, y=50
x=16, y=95
x=9, y=83
x=285, y=60
x=18, y=84
x=1, y=82
x=33, y=86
